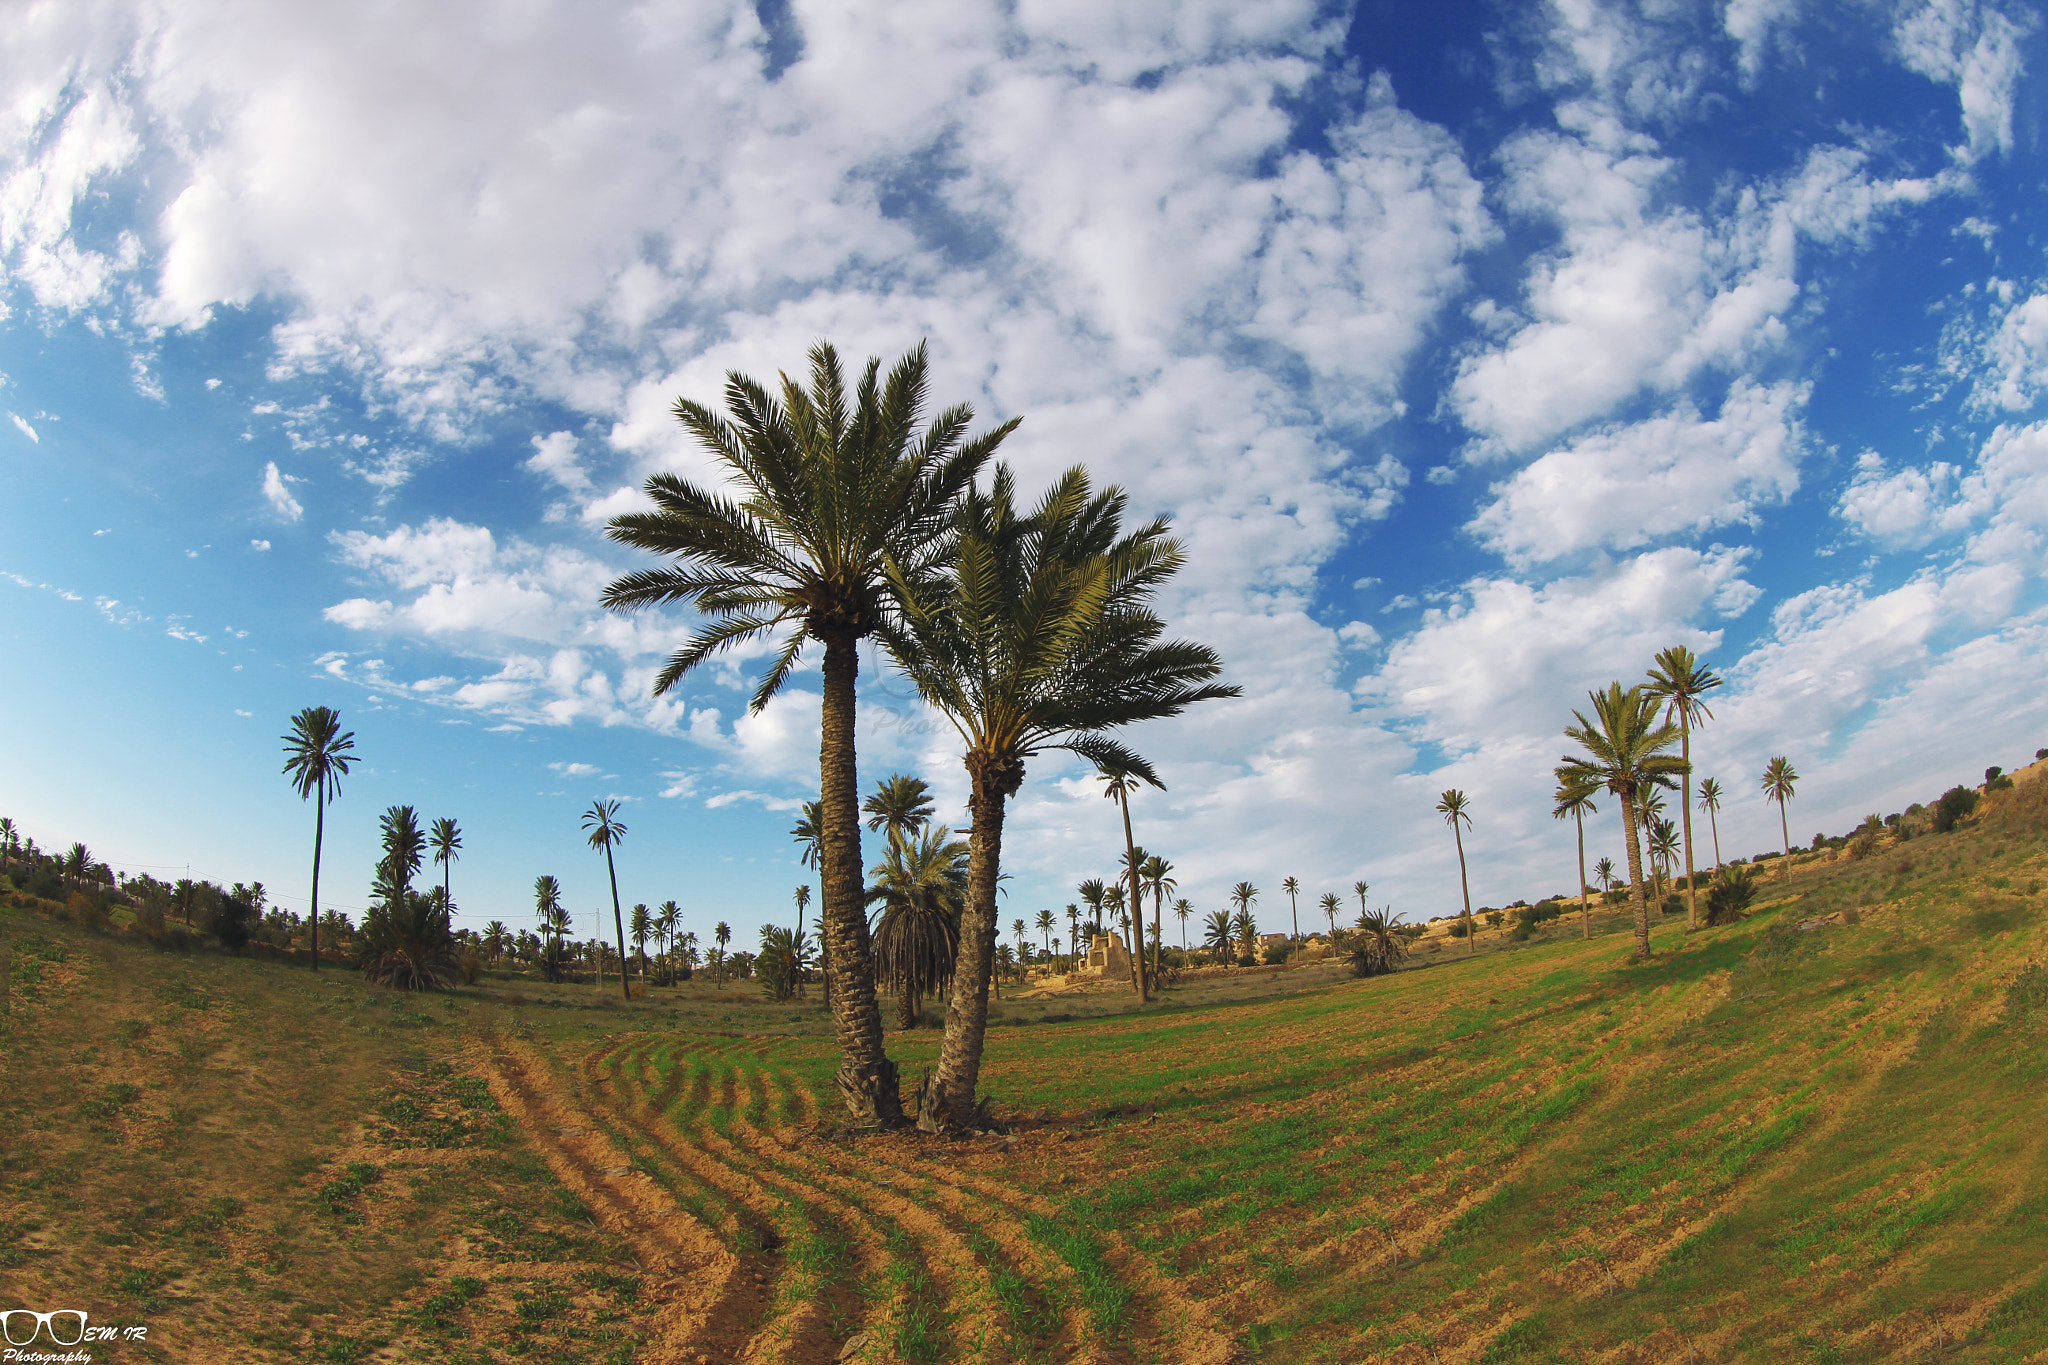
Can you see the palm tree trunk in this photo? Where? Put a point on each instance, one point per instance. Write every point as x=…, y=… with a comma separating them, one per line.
x=1786, y=830
x=1585, y=910
x=1158, y=936
x=867, y=1078
x=1714, y=823
x=1692, y=891
x=1471, y=934
x=1635, y=877
x=906, y=1005
x=946, y=1099
x=1137, y=902
x=319, y=832
x=625, y=986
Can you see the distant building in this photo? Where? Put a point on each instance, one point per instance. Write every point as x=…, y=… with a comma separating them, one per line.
x=1272, y=938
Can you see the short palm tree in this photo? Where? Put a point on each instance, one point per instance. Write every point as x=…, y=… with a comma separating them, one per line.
x=1246, y=930
x=317, y=755
x=553, y=919
x=665, y=921
x=1603, y=872
x=1378, y=947
x=841, y=505
x=1779, y=782
x=1157, y=874
x=446, y=840
x=602, y=821
x=643, y=929
x=1330, y=905
x=496, y=937
x=1456, y=811
x=1040, y=636
x=1680, y=680
x=1710, y=802
x=1623, y=748
x=1664, y=850
x=921, y=884
x=1217, y=934
x=1576, y=800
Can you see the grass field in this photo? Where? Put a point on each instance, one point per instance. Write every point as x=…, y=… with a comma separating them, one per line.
x=1767, y=1144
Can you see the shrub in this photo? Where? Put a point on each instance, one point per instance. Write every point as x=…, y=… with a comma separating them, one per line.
x=1378, y=946
x=1729, y=897
x=1457, y=928
x=406, y=942
x=1278, y=953
x=472, y=968
x=229, y=922
x=1247, y=960
x=1955, y=805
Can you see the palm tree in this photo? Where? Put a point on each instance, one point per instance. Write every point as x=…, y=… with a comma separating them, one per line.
x=1329, y=904
x=1158, y=876
x=1040, y=636
x=404, y=845
x=1216, y=936
x=1045, y=922
x=921, y=883
x=1092, y=892
x=602, y=820
x=1576, y=800
x=643, y=929
x=1181, y=911
x=900, y=804
x=1244, y=896
x=1360, y=888
x=77, y=862
x=722, y=932
x=1624, y=747
x=842, y=507
x=809, y=834
x=1664, y=850
x=406, y=940
x=1117, y=785
x=1247, y=930
x=317, y=756
x=1293, y=888
x=1710, y=802
x=1603, y=872
x=1779, y=781
x=1456, y=811
x=665, y=921
x=446, y=841
x=7, y=833
x=1379, y=947
x=1679, y=680
x=1073, y=928
x=496, y=936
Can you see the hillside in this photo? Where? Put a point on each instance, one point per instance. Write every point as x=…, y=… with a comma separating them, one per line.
x=1815, y=1135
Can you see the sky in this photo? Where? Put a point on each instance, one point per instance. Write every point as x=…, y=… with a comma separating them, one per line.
x=1478, y=351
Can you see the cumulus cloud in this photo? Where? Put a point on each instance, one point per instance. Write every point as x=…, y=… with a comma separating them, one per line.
x=22, y=425
x=278, y=495
x=1979, y=49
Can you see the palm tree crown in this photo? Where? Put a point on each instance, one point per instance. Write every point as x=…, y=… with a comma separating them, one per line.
x=901, y=803
x=1624, y=747
x=317, y=755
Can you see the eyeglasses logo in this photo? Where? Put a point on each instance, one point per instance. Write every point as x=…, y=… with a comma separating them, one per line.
x=66, y=1326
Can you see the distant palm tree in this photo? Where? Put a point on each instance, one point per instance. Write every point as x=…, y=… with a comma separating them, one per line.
x=1779, y=782
x=1576, y=800
x=1159, y=880
x=1244, y=896
x=1679, y=679
x=1292, y=886
x=1664, y=849
x=602, y=820
x=1360, y=888
x=643, y=929
x=1330, y=905
x=843, y=508
x=77, y=863
x=921, y=884
x=404, y=845
x=1623, y=751
x=1456, y=811
x=7, y=834
x=446, y=841
x=1379, y=946
x=723, y=933
x=1119, y=780
x=1603, y=872
x=1710, y=802
x=1092, y=893
x=496, y=936
x=317, y=756
x=1216, y=936
x=1181, y=911
x=900, y=805
x=553, y=919
x=809, y=833
x=1247, y=931
x=665, y=921
x=1045, y=922
x=1073, y=927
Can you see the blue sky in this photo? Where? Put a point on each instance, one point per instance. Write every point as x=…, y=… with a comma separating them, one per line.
x=1478, y=350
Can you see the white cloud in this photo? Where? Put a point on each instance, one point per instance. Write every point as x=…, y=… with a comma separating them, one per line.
x=2012, y=370
x=576, y=769
x=1975, y=47
x=280, y=497
x=259, y=545
x=1626, y=486
x=554, y=458
x=25, y=429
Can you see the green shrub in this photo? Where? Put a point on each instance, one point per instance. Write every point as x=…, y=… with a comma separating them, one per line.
x=1955, y=805
x=2026, y=999
x=1278, y=953
x=1729, y=897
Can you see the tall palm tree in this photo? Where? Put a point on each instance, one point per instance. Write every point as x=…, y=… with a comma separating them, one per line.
x=921, y=883
x=1292, y=886
x=1664, y=850
x=1092, y=892
x=1624, y=752
x=1244, y=896
x=1073, y=928
x=553, y=919
x=1710, y=802
x=317, y=755
x=1329, y=904
x=1117, y=785
x=446, y=841
x=1045, y=922
x=1181, y=911
x=602, y=820
x=722, y=932
x=1360, y=888
x=901, y=804
x=1680, y=680
x=1779, y=783
x=1216, y=936
x=665, y=921
x=1456, y=811
x=404, y=845
x=1159, y=879
x=1040, y=636
x=1576, y=800
x=842, y=505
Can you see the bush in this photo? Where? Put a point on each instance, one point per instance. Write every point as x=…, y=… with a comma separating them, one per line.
x=1278, y=953
x=1457, y=928
x=406, y=942
x=472, y=968
x=1955, y=805
x=1247, y=960
x=229, y=922
x=1377, y=946
x=1729, y=897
